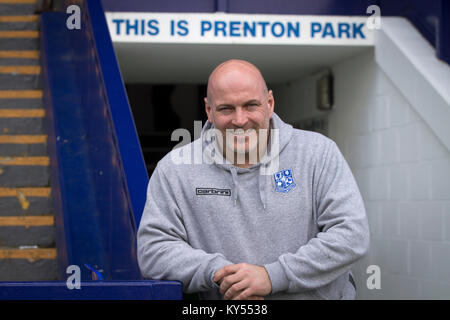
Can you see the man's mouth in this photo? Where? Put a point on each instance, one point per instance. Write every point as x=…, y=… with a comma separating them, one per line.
x=241, y=132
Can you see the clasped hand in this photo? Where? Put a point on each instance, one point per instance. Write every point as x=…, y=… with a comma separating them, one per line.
x=243, y=281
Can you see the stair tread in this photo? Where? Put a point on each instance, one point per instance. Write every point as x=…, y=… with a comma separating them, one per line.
x=25, y=161
x=25, y=54
x=19, y=34
x=23, y=139
x=20, y=69
x=27, y=221
x=17, y=1
x=22, y=113
x=21, y=94
x=19, y=18
x=27, y=191
x=31, y=254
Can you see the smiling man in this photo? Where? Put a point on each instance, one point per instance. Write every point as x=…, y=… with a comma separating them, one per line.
x=245, y=228
x=239, y=105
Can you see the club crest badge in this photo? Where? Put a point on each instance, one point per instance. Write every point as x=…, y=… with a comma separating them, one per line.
x=284, y=182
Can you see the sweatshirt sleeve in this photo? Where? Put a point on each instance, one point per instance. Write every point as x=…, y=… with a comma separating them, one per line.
x=343, y=235
x=163, y=249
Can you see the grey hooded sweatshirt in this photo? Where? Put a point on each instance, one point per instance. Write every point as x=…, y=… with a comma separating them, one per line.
x=304, y=222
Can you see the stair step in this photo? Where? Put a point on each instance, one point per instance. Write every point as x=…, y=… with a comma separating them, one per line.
x=29, y=254
x=20, y=69
x=22, y=121
x=24, y=126
x=19, y=39
x=17, y=7
x=27, y=221
x=20, y=81
x=24, y=161
x=24, y=171
x=16, y=231
x=14, y=34
x=24, y=150
x=16, y=176
x=37, y=264
x=25, y=201
x=19, y=57
x=20, y=77
x=20, y=99
x=18, y=2
x=23, y=139
x=20, y=54
x=19, y=23
x=26, y=18
x=20, y=94
x=21, y=103
x=23, y=145
x=22, y=113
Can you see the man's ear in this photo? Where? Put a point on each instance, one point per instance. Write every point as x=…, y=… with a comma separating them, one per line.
x=271, y=103
x=208, y=109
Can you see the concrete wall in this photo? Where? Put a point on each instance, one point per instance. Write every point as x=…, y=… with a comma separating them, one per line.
x=403, y=172
x=295, y=102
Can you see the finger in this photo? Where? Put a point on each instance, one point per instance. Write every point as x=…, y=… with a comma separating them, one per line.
x=225, y=271
x=255, y=298
x=235, y=289
x=243, y=295
x=229, y=281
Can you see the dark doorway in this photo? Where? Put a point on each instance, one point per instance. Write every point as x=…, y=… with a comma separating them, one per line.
x=159, y=109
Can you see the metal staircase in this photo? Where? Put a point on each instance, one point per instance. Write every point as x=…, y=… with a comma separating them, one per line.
x=27, y=235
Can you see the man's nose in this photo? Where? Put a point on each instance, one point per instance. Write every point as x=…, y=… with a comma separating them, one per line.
x=240, y=118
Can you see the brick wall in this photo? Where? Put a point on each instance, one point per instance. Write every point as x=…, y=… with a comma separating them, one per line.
x=403, y=171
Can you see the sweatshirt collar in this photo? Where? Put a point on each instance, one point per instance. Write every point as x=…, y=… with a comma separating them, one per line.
x=280, y=136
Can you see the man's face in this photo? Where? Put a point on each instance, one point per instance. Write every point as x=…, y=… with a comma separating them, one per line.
x=240, y=107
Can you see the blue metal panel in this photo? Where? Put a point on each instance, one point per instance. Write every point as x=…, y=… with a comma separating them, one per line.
x=127, y=140
x=429, y=17
x=443, y=35
x=96, y=165
x=160, y=5
x=78, y=233
x=319, y=7
x=110, y=290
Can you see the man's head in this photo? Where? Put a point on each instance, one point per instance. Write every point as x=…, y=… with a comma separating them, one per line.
x=237, y=98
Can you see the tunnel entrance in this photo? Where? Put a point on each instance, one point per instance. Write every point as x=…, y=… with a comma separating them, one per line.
x=166, y=84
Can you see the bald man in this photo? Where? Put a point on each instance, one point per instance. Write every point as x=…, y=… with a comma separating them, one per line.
x=270, y=213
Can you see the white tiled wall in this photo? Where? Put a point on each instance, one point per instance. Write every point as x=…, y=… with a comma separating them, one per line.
x=403, y=171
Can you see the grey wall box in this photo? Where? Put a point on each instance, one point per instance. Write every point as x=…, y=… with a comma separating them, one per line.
x=324, y=91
